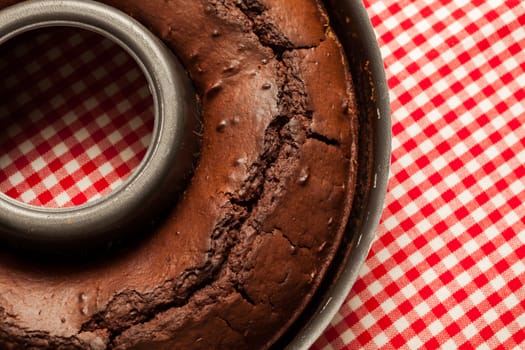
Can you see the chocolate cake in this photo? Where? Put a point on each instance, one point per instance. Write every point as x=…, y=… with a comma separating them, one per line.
x=239, y=256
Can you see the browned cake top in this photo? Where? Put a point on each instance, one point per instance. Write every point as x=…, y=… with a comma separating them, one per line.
x=247, y=244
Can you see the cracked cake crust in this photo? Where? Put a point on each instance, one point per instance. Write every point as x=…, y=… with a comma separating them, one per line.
x=239, y=256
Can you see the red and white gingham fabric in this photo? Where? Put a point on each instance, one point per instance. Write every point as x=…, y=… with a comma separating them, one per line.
x=76, y=116
x=448, y=267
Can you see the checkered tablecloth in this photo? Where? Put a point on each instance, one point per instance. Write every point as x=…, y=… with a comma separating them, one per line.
x=76, y=116
x=447, y=269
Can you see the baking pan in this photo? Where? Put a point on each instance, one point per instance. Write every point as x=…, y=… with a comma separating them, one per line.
x=352, y=25
x=350, y=21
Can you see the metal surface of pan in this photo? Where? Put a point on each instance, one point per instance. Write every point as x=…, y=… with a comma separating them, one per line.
x=168, y=160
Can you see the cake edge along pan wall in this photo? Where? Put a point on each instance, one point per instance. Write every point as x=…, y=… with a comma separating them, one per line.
x=350, y=20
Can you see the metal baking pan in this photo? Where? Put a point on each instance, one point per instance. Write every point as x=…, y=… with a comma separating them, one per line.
x=352, y=25
x=350, y=21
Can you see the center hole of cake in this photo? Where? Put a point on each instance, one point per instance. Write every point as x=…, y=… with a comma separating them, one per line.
x=76, y=117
